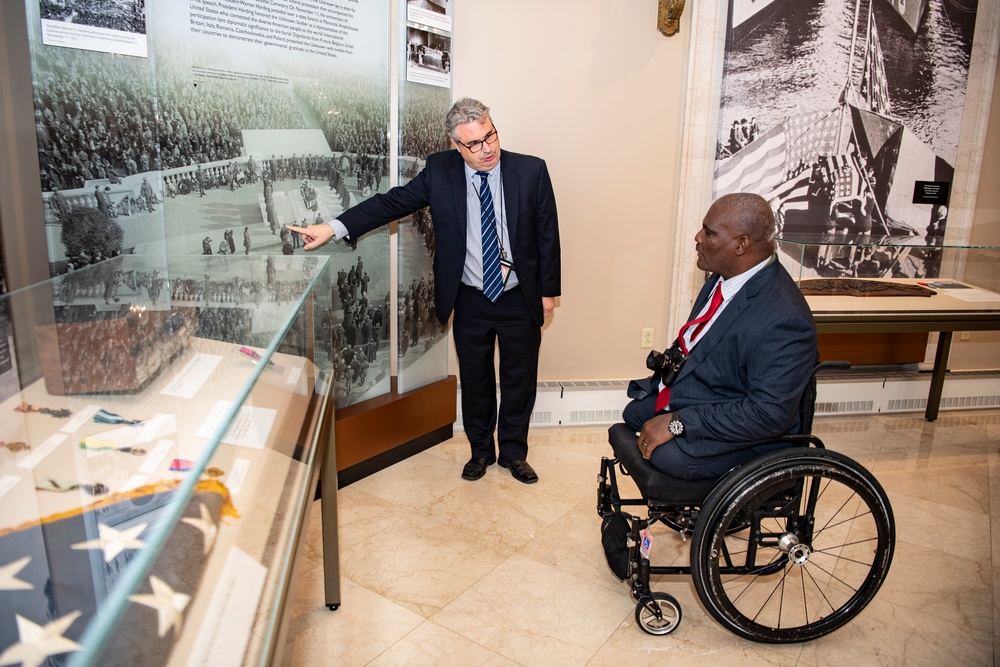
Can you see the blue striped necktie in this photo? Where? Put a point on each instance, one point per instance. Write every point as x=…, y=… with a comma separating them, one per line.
x=492, y=277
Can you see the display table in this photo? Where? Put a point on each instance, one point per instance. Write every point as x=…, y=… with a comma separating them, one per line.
x=948, y=310
x=158, y=521
x=963, y=279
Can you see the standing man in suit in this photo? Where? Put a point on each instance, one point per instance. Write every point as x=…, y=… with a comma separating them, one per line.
x=746, y=360
x=459, y=186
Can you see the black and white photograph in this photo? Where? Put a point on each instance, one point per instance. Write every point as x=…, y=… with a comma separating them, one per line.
x=843, y=114
x=112, y=26
x=428, y=57
x=123, y=15
x=422, y=341
x=433, y=13
x=251, y=133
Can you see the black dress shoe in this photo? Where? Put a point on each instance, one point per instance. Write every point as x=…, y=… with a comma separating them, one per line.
x=521, y=470
x=476, y=468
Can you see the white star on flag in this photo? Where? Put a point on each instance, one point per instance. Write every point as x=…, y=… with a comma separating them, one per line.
x=168, y=604
x=114, y=541
x=8, y=576
x=206, y=526
x=38, y=642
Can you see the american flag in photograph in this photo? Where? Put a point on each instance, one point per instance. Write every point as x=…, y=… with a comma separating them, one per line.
x=759, y=167
x=874, y=89
x=809, y=135
x=792, y=195
x=846, y=177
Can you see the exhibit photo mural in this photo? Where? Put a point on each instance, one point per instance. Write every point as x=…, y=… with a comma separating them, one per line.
x=422, y=341
x=244, y=118
x=846, y=116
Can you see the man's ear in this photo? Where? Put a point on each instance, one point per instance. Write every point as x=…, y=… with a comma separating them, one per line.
x=742, y=244
x=453, y=144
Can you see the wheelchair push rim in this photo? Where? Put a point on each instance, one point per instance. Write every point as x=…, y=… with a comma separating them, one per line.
x=817, y=549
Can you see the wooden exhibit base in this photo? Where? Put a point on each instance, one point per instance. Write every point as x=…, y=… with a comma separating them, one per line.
x=889, y=348
x=381, y=431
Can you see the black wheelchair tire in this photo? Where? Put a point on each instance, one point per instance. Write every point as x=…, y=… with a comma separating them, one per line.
x=846, y=521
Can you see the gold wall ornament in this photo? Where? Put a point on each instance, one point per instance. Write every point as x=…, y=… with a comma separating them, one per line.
x=669, y=18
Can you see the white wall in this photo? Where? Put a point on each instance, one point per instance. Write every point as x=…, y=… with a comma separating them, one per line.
x=592, y=87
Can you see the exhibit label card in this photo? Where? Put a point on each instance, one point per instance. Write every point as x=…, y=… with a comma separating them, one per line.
x=190, y=379
x=250, y=428
x=225, y=629
x=38, y=455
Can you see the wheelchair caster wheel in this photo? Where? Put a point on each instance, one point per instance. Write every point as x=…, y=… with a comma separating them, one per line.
x=659, y=614
x=333, y=607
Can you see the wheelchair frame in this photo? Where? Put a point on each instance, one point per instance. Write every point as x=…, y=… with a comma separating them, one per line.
x=785, y=548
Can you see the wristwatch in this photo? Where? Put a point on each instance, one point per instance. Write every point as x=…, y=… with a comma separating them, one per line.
x=676, y=426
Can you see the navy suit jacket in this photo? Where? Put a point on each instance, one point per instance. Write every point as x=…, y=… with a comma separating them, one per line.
x=743, y=381
x=532, y=223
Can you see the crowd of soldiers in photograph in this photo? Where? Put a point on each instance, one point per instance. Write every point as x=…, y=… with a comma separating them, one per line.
x=112, y=14
x=115, y=284
x=421, y=111
x=94, y=116
x=416, y=316
x=353, y=335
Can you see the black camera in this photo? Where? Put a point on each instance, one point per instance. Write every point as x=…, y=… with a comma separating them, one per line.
x=666, y=365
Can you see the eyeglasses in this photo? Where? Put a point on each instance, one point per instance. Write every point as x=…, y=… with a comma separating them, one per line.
x=476, y=146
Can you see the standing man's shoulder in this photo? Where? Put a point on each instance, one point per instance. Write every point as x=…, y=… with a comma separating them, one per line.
x=443, y=159
x=521, y=160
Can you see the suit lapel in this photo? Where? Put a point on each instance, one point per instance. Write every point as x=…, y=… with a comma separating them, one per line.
x=728, y=318
x=459, y=190
x=511, y=192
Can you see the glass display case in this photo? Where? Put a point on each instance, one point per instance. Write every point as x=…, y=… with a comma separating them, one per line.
x=812, y=256
x=163, y=424
x=870, y=284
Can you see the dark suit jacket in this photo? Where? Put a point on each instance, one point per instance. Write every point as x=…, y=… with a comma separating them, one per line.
x=743, y=381
x=532, y=223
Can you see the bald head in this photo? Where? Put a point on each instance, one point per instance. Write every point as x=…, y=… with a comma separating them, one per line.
x=737, y=233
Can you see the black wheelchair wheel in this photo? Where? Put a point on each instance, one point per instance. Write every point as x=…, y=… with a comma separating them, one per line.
x=819, y=541
x=659, y=614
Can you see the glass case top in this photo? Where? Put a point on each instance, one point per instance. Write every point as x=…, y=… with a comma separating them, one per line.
x=869, y=240
x=127, y=389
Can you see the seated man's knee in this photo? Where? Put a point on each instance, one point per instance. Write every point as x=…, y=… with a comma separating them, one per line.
x=638, y=412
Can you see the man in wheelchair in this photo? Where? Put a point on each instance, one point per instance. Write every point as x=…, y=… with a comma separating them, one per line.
x=732, y=380
x=789, y=541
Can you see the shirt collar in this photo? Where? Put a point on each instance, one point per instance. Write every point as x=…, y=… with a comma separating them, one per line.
x=470, y=173
x=733, y=285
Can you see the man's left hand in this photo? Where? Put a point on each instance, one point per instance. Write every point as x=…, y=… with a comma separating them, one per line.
x=655, y=432
x=548, y=305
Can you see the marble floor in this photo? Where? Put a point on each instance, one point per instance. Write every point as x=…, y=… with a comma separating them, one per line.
x=439, y=571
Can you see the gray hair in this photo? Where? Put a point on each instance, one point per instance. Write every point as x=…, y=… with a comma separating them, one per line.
x=465, y=110
x=751, y=215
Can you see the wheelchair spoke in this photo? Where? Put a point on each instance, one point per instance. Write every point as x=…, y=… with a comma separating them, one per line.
x=832, y=529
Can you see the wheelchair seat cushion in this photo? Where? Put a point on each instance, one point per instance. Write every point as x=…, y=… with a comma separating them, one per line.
x=654, y=485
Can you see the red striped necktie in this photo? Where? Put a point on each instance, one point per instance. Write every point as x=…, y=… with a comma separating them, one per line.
x=663, y=398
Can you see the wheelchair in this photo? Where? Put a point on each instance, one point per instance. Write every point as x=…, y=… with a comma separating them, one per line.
x=785, y=548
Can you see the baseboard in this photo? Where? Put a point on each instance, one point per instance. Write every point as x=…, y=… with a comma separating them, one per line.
x=859, y=392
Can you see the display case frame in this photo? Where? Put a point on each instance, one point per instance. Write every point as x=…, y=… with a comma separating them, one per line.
x=951, y=288
x=233, y=419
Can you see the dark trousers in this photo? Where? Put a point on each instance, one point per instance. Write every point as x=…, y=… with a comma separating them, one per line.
x=479, y=326
x=671, y=457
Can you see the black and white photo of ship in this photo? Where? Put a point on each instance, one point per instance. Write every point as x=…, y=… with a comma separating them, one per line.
x=834, y=112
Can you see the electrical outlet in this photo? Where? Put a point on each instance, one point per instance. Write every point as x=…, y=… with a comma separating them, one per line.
x=647, y=338
x=965, y=335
